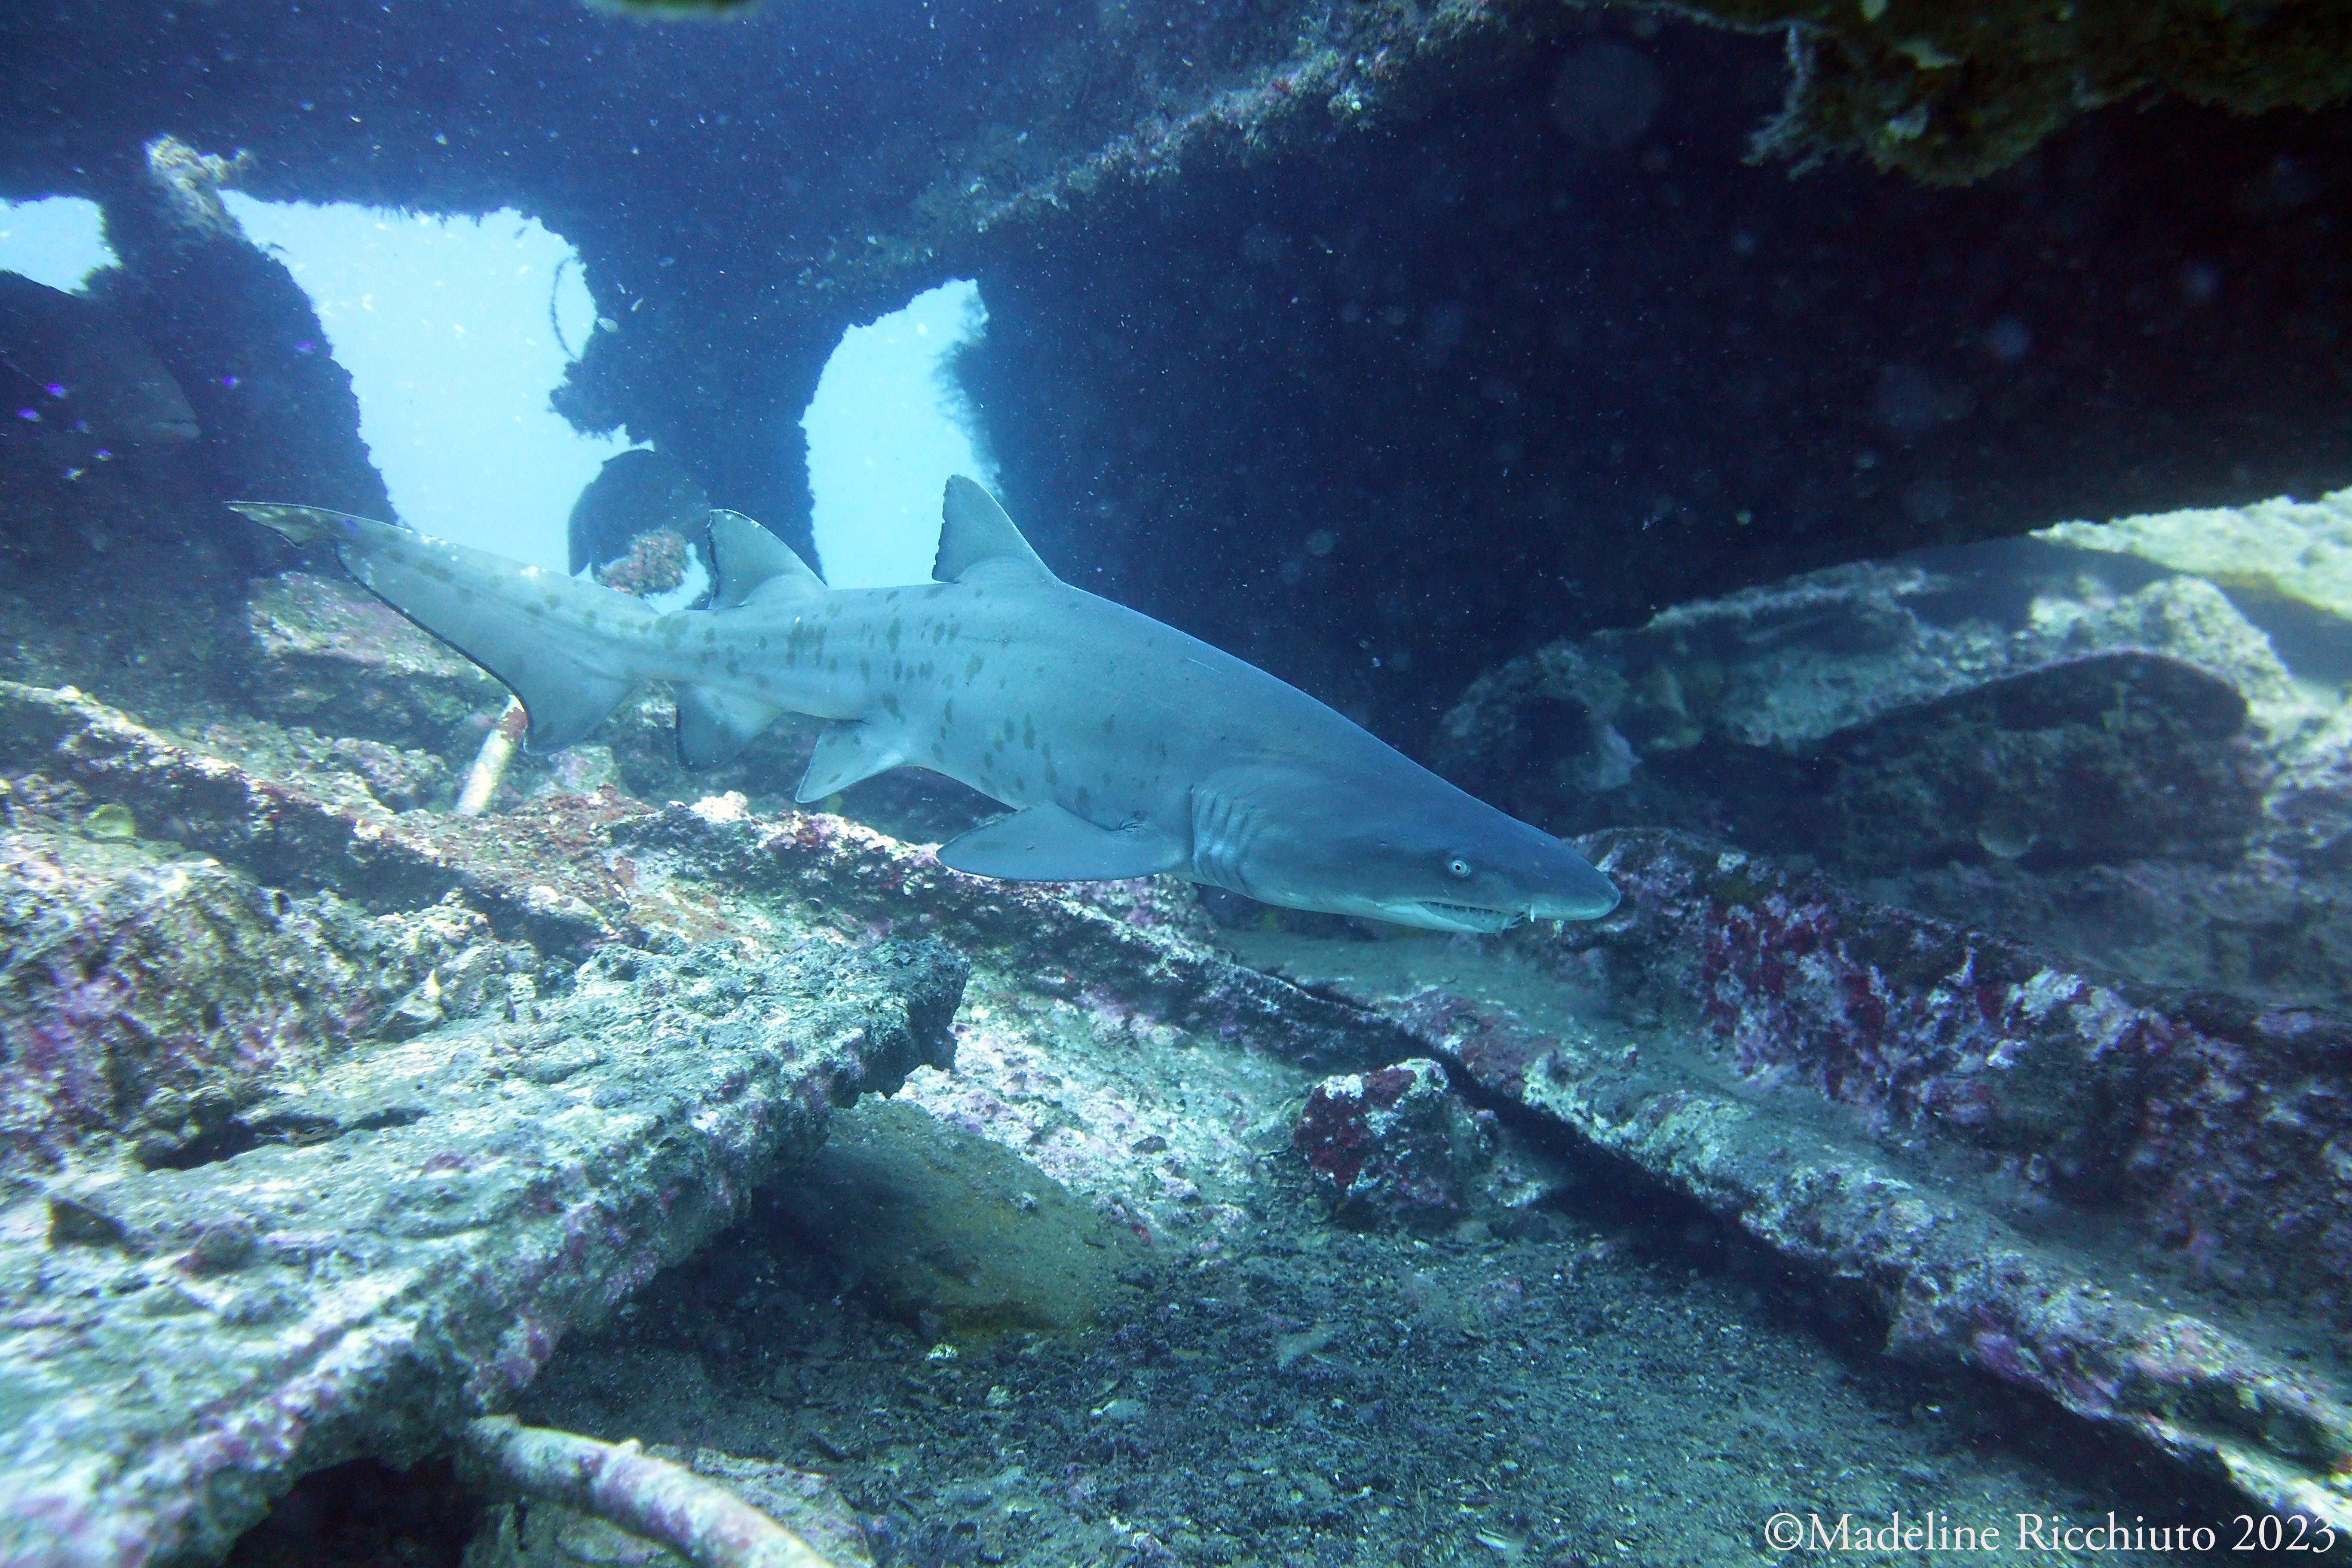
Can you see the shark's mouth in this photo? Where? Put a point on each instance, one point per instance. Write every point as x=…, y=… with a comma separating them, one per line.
x=1467, y=917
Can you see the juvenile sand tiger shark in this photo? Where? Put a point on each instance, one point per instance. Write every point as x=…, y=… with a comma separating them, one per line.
x=1123, y=746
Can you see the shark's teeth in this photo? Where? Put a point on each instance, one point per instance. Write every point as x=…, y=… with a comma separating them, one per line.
x=1473, y=917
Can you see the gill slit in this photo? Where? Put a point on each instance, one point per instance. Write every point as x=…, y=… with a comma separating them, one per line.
x=1223, y=830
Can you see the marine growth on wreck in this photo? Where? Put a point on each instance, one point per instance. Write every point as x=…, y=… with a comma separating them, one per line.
x=1617, y=827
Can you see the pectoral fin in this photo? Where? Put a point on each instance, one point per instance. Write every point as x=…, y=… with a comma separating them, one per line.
x=846, y=754
x=1047, y=844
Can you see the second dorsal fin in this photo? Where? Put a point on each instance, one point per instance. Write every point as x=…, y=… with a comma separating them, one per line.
x=975, y=529
x=752, y=561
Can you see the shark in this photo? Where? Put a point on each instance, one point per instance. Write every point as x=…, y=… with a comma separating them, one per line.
x=1124, y=746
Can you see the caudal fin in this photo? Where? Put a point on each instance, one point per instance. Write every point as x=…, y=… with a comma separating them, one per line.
x=563, y=648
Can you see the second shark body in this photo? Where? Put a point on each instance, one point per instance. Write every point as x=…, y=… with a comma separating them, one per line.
x=1124, y=746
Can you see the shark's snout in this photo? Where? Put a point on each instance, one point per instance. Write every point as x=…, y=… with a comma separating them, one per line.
x=1582, y=906
x=1582, y=892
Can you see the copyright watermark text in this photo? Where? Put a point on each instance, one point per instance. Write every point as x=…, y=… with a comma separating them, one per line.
x=2017, y=1533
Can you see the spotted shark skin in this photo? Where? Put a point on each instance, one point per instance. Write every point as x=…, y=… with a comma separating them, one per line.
x=1124, y=746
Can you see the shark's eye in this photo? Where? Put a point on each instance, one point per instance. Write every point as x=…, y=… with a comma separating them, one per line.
x=1458, y=868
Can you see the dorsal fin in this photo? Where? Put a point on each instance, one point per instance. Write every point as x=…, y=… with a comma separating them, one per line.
x=975, y=529
x=752, y=561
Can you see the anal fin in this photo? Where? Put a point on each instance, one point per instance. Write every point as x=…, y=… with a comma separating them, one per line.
x=714, y=728
x=846, y=754
x=1047, y=844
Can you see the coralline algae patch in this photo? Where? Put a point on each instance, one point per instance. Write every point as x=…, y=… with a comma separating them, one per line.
x=1394, y=1144
x=2215, y=1123
x=146, y=995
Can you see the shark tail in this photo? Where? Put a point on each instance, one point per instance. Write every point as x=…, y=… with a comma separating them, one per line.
x=570, y=651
